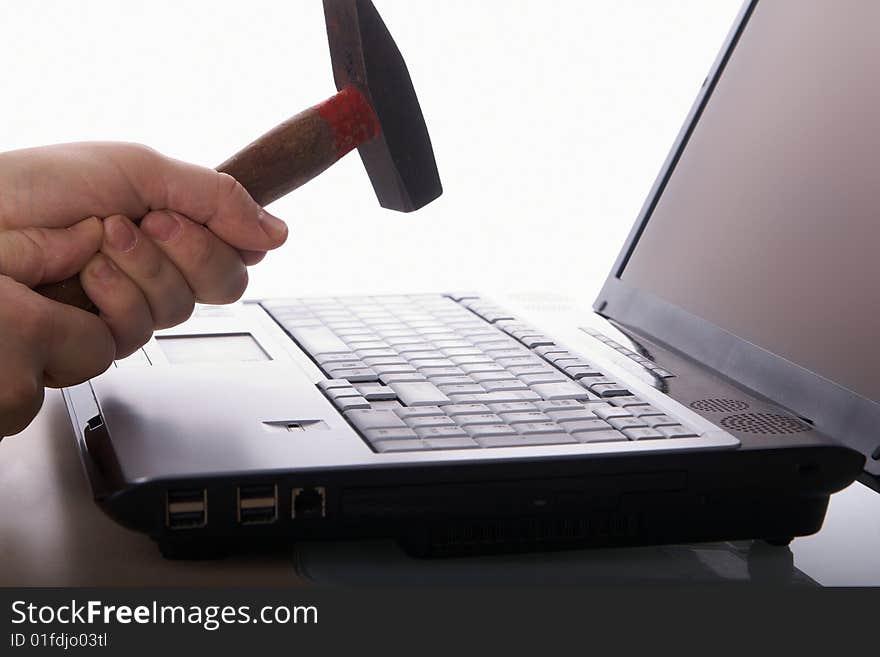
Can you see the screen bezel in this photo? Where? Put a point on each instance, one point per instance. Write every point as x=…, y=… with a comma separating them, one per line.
x=835, y=410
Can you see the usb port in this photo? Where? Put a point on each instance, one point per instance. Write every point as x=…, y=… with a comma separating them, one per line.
x=186, y=508
x=257, y=505
x=309, y=502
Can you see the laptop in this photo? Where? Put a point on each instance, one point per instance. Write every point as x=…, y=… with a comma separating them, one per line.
x=723, y=386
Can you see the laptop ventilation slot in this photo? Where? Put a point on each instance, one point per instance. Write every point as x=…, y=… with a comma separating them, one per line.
x=764, y=423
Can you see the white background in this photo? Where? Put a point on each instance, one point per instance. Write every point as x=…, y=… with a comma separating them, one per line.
x=549, y=120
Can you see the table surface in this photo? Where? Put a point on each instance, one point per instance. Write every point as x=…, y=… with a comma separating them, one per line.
x=52, y=534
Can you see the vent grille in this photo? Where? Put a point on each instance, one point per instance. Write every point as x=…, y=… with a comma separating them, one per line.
x=764, y=423
x=720, y=405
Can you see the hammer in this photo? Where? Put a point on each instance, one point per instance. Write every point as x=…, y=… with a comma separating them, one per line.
x=375, y=111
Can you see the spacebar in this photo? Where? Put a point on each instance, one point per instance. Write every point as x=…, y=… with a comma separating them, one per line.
x=318, y=340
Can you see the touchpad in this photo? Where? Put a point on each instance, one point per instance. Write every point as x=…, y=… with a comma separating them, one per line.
x=211, y=348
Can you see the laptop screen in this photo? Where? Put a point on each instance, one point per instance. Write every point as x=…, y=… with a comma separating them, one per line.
x=769, y=223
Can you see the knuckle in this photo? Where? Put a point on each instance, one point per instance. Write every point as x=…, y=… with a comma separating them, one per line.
x=227, y=187
x=200, y=247
x=140, y=152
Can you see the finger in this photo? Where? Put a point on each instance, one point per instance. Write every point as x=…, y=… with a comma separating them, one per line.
x=34, y=256
x=22, y=395
x=56, y=185
x=214, y=270
x=121, y=304
x=251, y=258
x=65, y=345
x=167, y=293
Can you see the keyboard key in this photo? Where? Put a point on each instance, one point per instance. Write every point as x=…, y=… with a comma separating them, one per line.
x=441, y=432
x=660, y=420
x=506, y=396
x=533, y=341
x=461, y=442
x=677, y=431
x=374, y=435
x=470, y=360
x=643, y=433
x=419, y=411
x=387, y=446
x=608, y=389
x=546, y=377
x=334, y=383
x=318, y=340
x=554, y=391
x=350, y=403
x=627, y=401
x=531, y=368
x=461, y=389
x=521, y=440
x=453, y=410
x=643, y=411
x=538, y=427
x=388, y=379
x=336, y=393
x=365, y=420
x=477, y=419
x=327, y=359
x=376, y=392
x=499, y=386
x=373, y=361
x=429, y=355
x=483, y=430
x=434, y=363
x=580, y=371
x=513, y=407
x=559, y=404
x=661, y=373
x=572, y=415
x=496, y=375
x=621, y=423
x=481, y=368
x=460, y=380
x=395, y=369
x=419, y=393
x=608, y=412
x=361, y=374
x=580, y=426
x=508, y=361
x=441, y=372
x=599, y=436
x=525, y=418
x=430, y=421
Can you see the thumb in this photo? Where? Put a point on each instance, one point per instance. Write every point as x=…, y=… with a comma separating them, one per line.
x=35, y=256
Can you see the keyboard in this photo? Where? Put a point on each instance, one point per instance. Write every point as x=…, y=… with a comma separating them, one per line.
x=433, y=372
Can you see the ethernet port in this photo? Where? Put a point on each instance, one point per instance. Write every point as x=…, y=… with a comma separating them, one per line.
x=186, y=508
x=257, y=504
x=309, y=502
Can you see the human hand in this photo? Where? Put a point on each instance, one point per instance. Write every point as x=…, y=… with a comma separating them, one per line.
x=69, y=208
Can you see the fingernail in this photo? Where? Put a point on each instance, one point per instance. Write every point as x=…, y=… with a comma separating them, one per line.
x=162, y=226
x=120, y=234
x=103, y=268
x=273, y=226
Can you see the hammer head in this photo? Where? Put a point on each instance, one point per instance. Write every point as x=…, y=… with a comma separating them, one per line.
x=400, y=161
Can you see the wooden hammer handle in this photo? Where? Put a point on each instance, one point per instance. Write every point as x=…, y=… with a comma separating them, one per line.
x=281, y=160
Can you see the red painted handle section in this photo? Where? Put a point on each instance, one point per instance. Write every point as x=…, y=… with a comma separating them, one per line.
x=351, y=118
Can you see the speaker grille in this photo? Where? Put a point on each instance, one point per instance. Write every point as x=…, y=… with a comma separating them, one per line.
x=719, y=405
x=764, y=423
